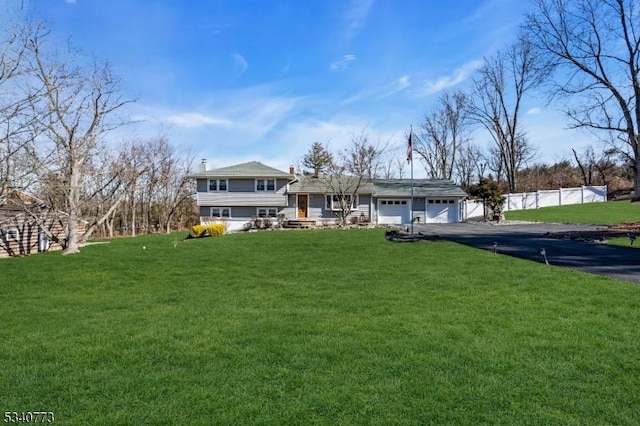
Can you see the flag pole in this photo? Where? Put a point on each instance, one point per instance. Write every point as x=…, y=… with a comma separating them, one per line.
x=411, y=157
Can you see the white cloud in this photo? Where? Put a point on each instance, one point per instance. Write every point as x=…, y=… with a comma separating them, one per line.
x=355, y=16
x=194, y=119
x=458, y=76
x=534, y=110
x=388, y=89
x=394, y=87
x=70, y=1
x=343, y=63
x=240, y=64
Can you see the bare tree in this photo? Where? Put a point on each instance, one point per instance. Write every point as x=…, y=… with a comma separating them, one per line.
x=586, y=164
x=443, y=135
x=597, y=45
x=394, y=166
x=498, y=92
x=17, y=130
x=168, y=170
x=363, y=158
x=352, y=168
x=77, y=110
x=469, y=165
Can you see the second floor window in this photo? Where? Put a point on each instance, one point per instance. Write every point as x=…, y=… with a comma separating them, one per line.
x=265, y=184
x=217, y=185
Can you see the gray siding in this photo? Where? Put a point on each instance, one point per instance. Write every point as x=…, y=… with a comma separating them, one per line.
x=247, y=199
x=247, y=212
x=290, y=212
x=242, y=185
x=364, y=206
x=419, y=204
x=239, y=185
x=316, y=206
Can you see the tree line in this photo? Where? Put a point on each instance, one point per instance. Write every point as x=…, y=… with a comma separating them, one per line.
x=57, y=110
x=585, y=56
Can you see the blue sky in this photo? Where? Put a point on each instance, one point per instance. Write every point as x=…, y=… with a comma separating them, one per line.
x=241, y=80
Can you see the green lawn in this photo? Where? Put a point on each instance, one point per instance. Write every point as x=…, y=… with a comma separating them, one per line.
x=624, y=242
x=314, y=327
x=595, y=213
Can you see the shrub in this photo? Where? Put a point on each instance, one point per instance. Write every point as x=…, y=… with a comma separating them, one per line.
x=208, y=230
x=216, y=229
x=198, y=230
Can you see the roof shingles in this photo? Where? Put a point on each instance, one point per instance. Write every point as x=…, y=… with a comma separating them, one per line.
x=252, y=169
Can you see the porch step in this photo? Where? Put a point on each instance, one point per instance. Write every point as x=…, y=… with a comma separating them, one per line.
x=300, y=223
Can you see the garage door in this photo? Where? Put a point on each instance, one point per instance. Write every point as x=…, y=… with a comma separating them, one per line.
x=393, y=212
x=442, y=211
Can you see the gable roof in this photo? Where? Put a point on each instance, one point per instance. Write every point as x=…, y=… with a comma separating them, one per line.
x=321, y=185
x=14, y=204
x=421, y=188
x=252, y=169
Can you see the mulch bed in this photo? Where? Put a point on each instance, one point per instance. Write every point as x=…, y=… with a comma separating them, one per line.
x=601, y=235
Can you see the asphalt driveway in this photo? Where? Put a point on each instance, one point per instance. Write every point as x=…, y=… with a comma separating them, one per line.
x=526, y=241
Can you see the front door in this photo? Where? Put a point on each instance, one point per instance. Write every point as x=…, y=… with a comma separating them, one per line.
x=303, y=202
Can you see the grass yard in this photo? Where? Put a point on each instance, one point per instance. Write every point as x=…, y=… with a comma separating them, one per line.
x=593, y=213
x=314, y=327
x=623, y=242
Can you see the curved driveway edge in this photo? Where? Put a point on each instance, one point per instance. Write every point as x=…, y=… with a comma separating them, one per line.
x=526, y=241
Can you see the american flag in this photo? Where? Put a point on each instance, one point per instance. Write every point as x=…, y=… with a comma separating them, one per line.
x=410, y=148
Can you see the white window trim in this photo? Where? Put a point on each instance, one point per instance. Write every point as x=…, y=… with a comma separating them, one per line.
x=220, y=215
x=354, y=204
x=217, y=181
x=275, y=185
x=267, y=209
x=10, y=231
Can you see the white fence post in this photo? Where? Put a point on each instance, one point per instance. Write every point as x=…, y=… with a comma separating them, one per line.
x=559, y=196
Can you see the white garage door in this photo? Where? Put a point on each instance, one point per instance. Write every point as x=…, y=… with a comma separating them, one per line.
x=442, y=211
x=393, y=212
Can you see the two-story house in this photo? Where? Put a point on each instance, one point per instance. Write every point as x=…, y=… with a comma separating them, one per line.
x=237, y=193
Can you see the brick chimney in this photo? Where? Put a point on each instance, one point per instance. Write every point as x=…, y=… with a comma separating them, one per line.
x=203, y=165
x=292, y=170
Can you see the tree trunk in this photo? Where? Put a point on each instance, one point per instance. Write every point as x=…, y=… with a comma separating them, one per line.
x=636, y=181
x=133, y=213
x=73, y=199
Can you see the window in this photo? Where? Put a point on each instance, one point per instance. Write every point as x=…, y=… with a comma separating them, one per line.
x=12, y=234
x=217, y=185
x=333, y=202
x=265, y=184
x=220, y=212
x=267, y=212
x=393, y=202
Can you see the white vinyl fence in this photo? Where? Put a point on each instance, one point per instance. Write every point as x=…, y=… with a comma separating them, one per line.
x=549, y=198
